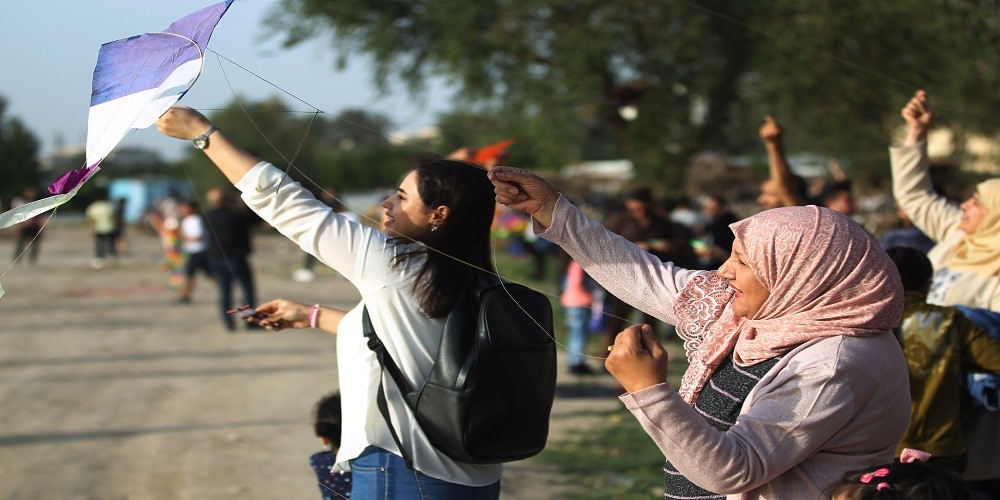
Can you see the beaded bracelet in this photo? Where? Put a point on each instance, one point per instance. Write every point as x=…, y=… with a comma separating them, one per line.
x=314, y=316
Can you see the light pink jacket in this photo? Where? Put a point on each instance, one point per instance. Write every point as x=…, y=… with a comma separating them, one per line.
x=828, y=406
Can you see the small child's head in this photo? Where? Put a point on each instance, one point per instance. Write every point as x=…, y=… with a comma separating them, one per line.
x=898, y=481
x=914, y=268
x=327, y=420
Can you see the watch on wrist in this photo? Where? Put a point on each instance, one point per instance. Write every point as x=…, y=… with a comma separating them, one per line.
x=201, y=142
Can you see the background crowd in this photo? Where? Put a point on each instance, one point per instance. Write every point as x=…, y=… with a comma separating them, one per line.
x=947, y=254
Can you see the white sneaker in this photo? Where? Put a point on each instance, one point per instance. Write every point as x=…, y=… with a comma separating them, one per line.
x=97, y=263
x=303, y=275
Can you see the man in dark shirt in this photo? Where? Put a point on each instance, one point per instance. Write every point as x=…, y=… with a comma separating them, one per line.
x=718, y=236
x=641, y=224
x=228, y=249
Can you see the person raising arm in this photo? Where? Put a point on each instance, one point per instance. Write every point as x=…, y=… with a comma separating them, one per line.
x=782, y=188
x=966, y=256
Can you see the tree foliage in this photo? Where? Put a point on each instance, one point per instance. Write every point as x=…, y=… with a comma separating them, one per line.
x=701, y=74
x=18, y=156
x=349, y=151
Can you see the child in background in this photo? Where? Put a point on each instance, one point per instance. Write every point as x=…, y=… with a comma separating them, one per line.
x=334, y=482
x=909, y=479
x=194, y=246
x=576, y=300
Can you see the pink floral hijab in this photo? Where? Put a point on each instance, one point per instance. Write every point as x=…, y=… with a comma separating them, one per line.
x=826, y=276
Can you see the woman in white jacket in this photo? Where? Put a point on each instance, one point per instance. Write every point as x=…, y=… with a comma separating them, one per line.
x=437, y=233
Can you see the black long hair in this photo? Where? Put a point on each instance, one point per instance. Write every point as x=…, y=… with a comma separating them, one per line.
x=463, y=238
x=327, y=419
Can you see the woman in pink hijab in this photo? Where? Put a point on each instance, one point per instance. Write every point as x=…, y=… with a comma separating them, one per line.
x=794, y=377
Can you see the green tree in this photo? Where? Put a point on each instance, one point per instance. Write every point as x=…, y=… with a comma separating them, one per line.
x=351, y=150
x=476, y=128
x=699, y=74
x=18, y=156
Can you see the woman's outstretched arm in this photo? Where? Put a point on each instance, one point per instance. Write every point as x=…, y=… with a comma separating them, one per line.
x=186, y=123
x=279, y=314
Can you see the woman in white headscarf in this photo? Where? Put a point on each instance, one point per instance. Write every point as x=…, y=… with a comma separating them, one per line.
x=794, y=377
x=966, y=256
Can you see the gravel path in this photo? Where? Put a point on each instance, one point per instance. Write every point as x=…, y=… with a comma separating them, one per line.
x=109, y=391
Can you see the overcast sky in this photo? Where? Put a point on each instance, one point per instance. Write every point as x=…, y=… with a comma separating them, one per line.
x=48, y=51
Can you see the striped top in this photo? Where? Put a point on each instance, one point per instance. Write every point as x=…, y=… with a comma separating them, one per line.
x=719, y=403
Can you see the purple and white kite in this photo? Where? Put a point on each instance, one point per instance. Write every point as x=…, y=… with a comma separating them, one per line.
x=136, y=80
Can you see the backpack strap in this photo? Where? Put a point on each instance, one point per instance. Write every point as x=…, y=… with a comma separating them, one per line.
x=387, y=364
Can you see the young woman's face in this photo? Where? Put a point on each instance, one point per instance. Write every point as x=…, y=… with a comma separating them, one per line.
x=972, y=214
x=406, y=215
x=750, y=292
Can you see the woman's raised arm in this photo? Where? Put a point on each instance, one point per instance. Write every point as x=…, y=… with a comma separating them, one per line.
x=186, y=123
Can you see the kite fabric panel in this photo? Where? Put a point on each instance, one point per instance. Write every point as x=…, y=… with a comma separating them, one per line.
x=29, y=210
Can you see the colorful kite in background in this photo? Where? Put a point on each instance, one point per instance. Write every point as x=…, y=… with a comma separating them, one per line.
x=492, y=153
x=487, y=156
x=136, y=80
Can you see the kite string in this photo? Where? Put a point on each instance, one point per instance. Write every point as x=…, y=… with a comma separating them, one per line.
x=291, y=165
x=688, y=3
x=494, y=272
x=37, y=235
x=391, y=137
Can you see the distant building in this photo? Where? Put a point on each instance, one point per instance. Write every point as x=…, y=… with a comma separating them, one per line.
x=129, y=157
x=979, y=153
x=142, y=195
x=65, y=158
x=62, y=159
x=606, y=176
x=425, y=134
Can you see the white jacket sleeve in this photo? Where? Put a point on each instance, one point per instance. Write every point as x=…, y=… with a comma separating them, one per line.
x=913, y=190
x=358, y=252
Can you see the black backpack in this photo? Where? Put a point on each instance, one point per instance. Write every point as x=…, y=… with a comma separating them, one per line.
x=488, y=397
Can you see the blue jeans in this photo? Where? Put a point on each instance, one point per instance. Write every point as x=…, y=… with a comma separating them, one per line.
x=380, y=475
x=576, y=322
x=984, y=387
x=226, y=271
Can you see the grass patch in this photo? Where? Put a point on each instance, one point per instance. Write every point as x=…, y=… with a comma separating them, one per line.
x=610, y=456
x=614, y=459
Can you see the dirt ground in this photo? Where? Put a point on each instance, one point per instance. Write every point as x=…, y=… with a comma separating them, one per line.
x=110, y=391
